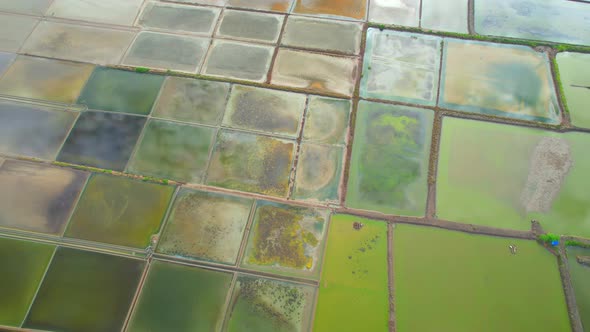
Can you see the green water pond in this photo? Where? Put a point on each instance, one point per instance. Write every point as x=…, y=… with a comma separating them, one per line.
x=26, y=263
x=505, y=176
x=453, y=281
x=85, y=291
x=580, y=277
x=353, y=294
x=205, y=226
x=265, y=305
x=390, y=155
x=180, y=298
x=119, y=211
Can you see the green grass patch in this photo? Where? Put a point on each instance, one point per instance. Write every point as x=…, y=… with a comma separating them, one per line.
x=559, y=85
x=548, y=238
x=574, y=243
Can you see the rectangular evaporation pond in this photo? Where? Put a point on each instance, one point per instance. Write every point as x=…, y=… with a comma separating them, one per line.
x=354, y=281
x=190, y=100
x=488, y=284
x=252, y=163
x=85, y=291
x=14, y=30
x=120, y=211
x=78, y=42
x=502, y=80
x=238, y=60
x=318, y=72
x=390, y=158
x=504, y=176
x=103, y=140
x=319, y=171
x=33, y=131
x=404, y=12
x=326, y=120
x=175, y=151
x=31, y=7
x=528, y=20
x=325, y=35
x=282, y=6
x=181, y=299
x=121, y=91
x=265, y=305
x=264, y=110
x=220, y=3
x=45, y=79
x=355, y=9
x=167, y=16
x=99, y=11
x=37, y=197
x=286, y=240
x=205, y=226
x=167, y=52
x=574, y=72
x=580, y=278
x=401, y=66
x=6, y=60
x=250, y=26
x=24, y=264
x=446, y=15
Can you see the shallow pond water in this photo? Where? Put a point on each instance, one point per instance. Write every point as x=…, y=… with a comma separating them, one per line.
x=103, y=140
x=326, y=35
x=264, y=110
x=353, y=294
x=121, y=91
x=78, y=42
x=580, y=277
x=287, y=240
x=390, y=156
x=190, y=100
x=400, y=12
x=252, y=163
x=99, y=11
x=265, y=305
x=319, y=171
x=168, y=16
x=574, y=72
x=401, y=66
x=250, y=26
x=356, y=9
x=45, y=79
x=27, y=262
x=167, y=52
x=205, y=226
x=85, y=291
x=446, y=15
x=237, y=60
x=318, y=72
x=37, y=197
x=271, y=5
x=327, y=120
x=497, y=79
x=31, y=7
x=550, y=20
x=174, y=151
x=454, y=281
x=119, y=211
x=180, y=298
x=33, y=131
x=505, y=176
